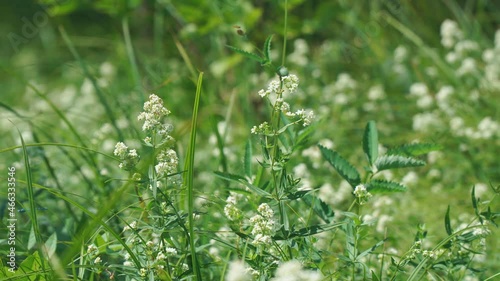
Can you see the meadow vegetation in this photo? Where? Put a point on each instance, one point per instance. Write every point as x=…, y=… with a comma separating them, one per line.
x=250, y=140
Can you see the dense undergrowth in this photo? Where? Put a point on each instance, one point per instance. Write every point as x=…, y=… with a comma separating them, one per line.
x=250, y=140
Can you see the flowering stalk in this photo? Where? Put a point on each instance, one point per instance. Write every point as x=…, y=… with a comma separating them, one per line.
x=271, y=133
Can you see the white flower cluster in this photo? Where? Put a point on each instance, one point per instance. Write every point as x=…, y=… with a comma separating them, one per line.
x=263, y=129
x=450, y=33
x=230, y=210
x=238, y=272
x=275, y=91
x=154, y=111
x=128, y=157
x=293, y=271
x=263, y=225
x=167, y=162
x=155, y=251
x=362, y=194
x=421, y=92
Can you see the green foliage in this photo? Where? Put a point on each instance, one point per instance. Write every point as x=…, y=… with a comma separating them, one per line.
x=385, y=162
x=384, y=186
x=74, y=75
x=370, y=142
x=344, y=168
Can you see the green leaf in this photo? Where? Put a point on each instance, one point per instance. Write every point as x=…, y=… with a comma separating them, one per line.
x=247, y=161
x=447, y=223
x=267, y=48
x=322, y=209
x=51, y=245
x=310, y=230
x=396, y=161
x=31, y=239
x=243, y=180
x=474, y=204
x=343, y=167
x=414, y=149
x=249, y=55
x=370, y=142
x=384, y=186
x=375, y=277
x=369, y=251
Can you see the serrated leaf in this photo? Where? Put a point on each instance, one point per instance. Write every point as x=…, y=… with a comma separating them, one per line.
x=384, y=186
x=310, y=230
x=249, y=55
x=414, y=149
x=267, y=48
x=342, y=166
x=370, y=142
x=297, y=195
x=397, y=161
x=247, y=161
x=322, y=209
x=243, y=180
x=447, y=223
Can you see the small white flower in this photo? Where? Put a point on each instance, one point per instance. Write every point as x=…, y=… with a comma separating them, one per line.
x=265, y=210
x=171, y=251
x=237, y=272
x=120, y=149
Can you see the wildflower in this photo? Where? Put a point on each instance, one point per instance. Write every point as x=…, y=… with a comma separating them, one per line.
x=237, y=272
x=293, y=271
x=120, y=149
x=263, y=128
x=153, y=113
x=132, y=225
x=362, y=194
x=265, y=210
x=400, y=54
x=167, y=162
x=291, y=82
x=92, y=250
x=468, y=66
x=128, y=157
x=263, y=225
x=170, y=251
x=160, y=256
x=230, y=210
x=450, y=32
x=97, y=260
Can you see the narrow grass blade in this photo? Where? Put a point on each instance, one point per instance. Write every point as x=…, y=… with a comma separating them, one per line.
x=247, y=161
x=189, y=176
x=31, y=199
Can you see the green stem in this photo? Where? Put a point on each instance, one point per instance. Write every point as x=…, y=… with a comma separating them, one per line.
x=283, y=55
